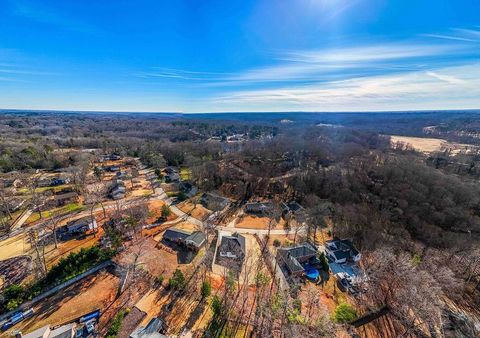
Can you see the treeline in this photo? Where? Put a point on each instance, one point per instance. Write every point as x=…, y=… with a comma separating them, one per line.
x=73, y=265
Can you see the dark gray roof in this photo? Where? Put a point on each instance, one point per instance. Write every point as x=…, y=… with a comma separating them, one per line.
x=174, y=234
x=234, y=243
x=197, y=237
x=291, y=255
x=258, y=207
x=344, y=248
x=292, y=207
x=213, y=202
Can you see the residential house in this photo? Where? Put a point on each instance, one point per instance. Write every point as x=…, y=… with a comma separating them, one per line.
x=172, y=178
x=112, y=168
x=213, y=202
x=175, y=235
x=188, y=189
x=152, y=330
x=258, y=208
x=59, y=181
x=171, y=170
x=293, y=258
x=291, y=208
x=64, y=331
x=341, y=251
x=232, y=247
x=63, y=197
x=196, y=240
x=192, y=240
x=112, y=157
x=118, y=190
x=81, y=225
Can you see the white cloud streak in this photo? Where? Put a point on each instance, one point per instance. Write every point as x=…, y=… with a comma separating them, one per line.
x=415, y=89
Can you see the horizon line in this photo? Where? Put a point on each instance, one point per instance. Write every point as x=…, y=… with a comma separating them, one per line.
x=18, y=110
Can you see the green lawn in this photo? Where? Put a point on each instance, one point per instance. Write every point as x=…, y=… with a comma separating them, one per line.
x=25, y=191
x=66, y=209
x=185, y=174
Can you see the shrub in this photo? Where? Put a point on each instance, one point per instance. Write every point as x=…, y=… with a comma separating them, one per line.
x=14, y=296
x=206, y=289
x=166, y=211
x=116, y=324
x=181, y=196
x=217, y=306
x=160, y=279
x=276, y=243
x=344, y=313
x=324, y=262
x=177, y=282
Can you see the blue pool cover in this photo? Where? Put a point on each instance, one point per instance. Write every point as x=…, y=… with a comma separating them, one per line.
x=312, y=273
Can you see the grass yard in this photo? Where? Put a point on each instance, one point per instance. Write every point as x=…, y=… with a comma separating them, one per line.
x=25, y=191
x=66, y=209
x=185, y=174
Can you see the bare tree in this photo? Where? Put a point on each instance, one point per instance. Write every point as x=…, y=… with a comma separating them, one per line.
x=411, y=295
x=52, y=226
x=39, y=252
x=95, y=194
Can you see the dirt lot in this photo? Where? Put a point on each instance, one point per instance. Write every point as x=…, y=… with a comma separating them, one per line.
x=255, y=222
x=198, y=211
x=150, y=258
x=94, y=292
x=155, y=211
x=252, y=222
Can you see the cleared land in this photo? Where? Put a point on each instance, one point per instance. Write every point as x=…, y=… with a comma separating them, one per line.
x=197, y=211
x=429, y=145
x=94, y=292
x=254, y=222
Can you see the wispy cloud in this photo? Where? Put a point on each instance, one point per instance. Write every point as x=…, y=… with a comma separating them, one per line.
x=422, y=88
x=448, y=37
x=311, y=66
x=457, y=34
x=424, y=72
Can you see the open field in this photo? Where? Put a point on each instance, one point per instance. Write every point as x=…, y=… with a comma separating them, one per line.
x=429, y=145
x=94, y=292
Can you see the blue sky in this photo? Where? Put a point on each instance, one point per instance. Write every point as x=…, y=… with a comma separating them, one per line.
x=263, y=55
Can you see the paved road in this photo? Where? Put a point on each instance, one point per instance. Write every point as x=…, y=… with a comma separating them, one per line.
x=19, y=222
x=259, y=231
